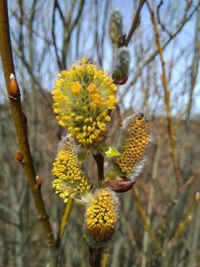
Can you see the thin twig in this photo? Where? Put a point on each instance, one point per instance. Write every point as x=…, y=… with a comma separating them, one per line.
x=54, y=35
x=174, y=201
x=190, y=180
x=155, y=53
x=144, y=218
x=159, y=20
x=194, y=67
x=167, y=95
x=135, y=22
x=184, y=223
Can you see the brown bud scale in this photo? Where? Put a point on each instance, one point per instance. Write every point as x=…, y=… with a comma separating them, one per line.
x=120, y=186
x=122, y=80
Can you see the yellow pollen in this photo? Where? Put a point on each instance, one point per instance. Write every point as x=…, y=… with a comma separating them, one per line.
x=83, y=96
x=75, y=89
x=92, y=89
x=101, y=215
x=134, y=145
x=69, y=177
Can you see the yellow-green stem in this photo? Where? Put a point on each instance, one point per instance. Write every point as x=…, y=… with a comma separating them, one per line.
x=64, y=221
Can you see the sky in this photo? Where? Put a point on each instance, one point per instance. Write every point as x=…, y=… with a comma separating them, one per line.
x=49, y=69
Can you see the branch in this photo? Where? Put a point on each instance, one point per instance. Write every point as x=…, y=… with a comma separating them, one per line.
x=68, y=29
x=185, y=221
x=190, y=180
x=155, y=53
x=20, y=119
x=135, y=22
x=163, y=27
x=194, y=66
x=144, y=218
x=164, y=80
x=54, y=36
x=77, y=18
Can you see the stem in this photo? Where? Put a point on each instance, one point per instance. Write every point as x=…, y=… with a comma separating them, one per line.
x=64, y=221
x=20, y=121
x=96, y=253
x=100, y=166
x=95, y=257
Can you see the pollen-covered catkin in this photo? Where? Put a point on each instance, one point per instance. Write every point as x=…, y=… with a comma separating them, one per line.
x=70, y=179
x=101, y=216
x=83, y=96
x=135, y=139
x=121, y=65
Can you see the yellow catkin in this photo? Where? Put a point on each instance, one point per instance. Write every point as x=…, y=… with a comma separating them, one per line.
x=136, y=137
x=82, y=97
x=70, y=179
x=101, y=216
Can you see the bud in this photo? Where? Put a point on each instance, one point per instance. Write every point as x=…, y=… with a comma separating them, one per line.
x=70, y=178
x=38, y=182
x=121, y=68
x=13, y=88
x=19, y=156
x=135, y=140
x=101, y=217
x=120, y=186
x=116, y=27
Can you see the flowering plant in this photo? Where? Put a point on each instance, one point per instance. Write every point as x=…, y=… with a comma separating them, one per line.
x=84, y=100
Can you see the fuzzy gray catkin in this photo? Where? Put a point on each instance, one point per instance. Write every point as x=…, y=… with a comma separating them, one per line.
x=115, y=27
x=121, y=66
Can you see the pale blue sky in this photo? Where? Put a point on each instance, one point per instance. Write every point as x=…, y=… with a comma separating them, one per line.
x=183, y=40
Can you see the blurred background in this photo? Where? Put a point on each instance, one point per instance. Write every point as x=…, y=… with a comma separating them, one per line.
x=159, y=223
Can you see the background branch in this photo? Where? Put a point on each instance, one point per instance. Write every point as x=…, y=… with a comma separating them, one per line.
x=164, y=80
x=135, y=22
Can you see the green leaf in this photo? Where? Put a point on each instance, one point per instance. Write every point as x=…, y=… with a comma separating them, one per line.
x=110, y=151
